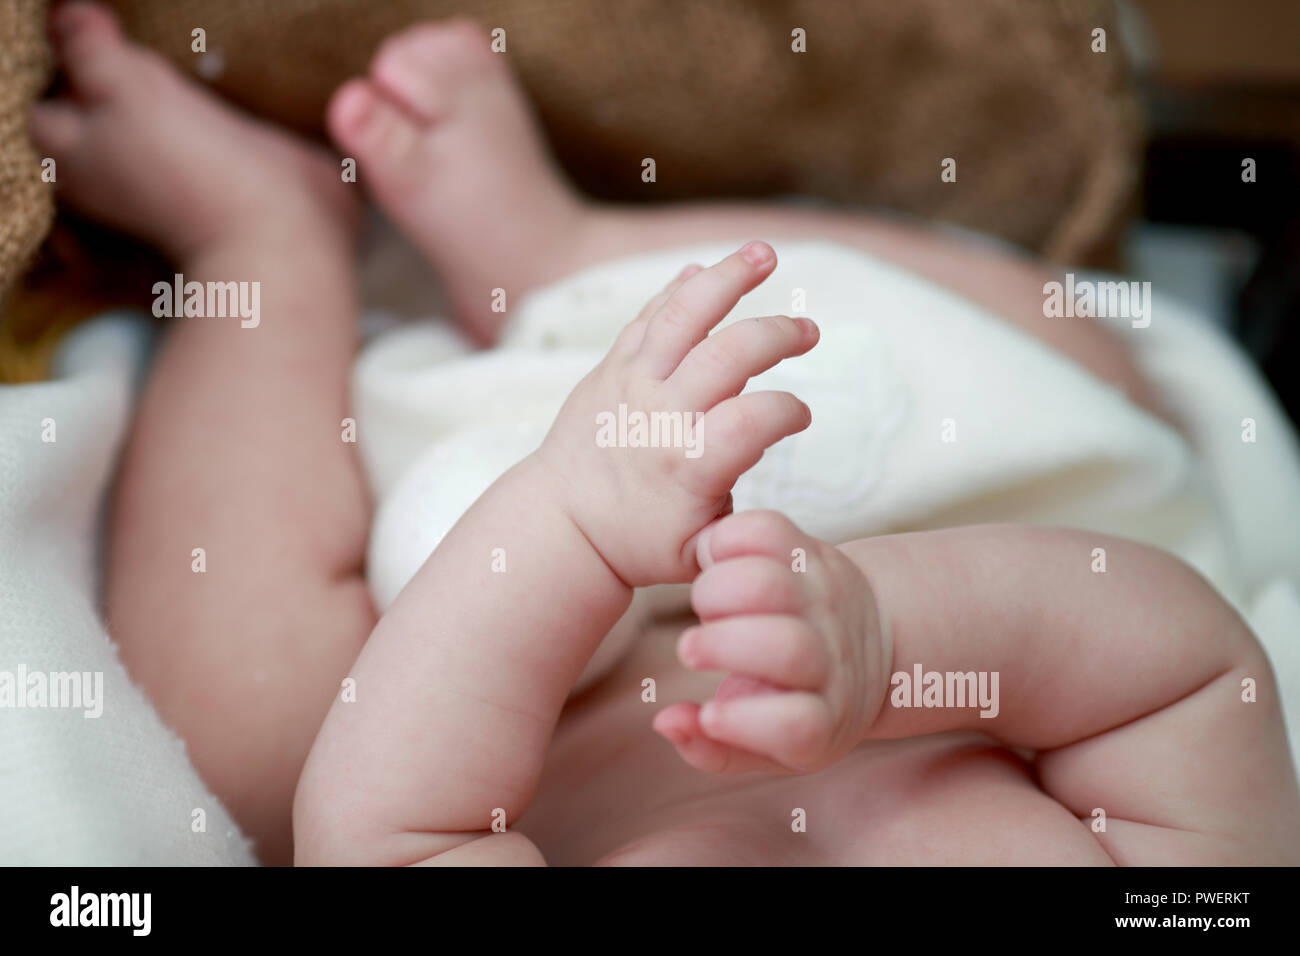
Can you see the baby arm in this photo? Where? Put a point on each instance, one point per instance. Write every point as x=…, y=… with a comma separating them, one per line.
x=1127, y=685
x=459, y=684
x=462, y=681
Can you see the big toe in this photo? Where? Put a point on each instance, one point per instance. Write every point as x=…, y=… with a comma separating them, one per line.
x=55, y=127
x=421, y=67
x=90, y=46
x=369, y=126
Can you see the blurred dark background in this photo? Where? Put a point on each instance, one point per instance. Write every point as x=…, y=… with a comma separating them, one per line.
x=1219, y=82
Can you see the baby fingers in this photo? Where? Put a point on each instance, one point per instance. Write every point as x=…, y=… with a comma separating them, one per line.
x=679, y=723
x=719, y=367
x=698, y=304
x=779, y=649
x=794, y=728
x=731, y=438
x=633, y=335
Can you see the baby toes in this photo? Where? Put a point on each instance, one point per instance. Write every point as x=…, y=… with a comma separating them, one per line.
x=421, y=67
x=56, y=127
x=369, y=126
x=90, y=47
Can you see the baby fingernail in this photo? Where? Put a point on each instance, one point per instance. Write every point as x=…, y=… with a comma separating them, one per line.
x=686, y=644
x=757, y=253
x=676, y=735
x=808, y=326
x=702, y=555
x=710, y=715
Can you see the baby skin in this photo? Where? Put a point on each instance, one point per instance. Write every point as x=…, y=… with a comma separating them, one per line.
x=466, y=678
x=774, y=733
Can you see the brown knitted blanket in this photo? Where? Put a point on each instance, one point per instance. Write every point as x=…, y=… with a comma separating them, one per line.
x=1044, y=130
x=26, y=203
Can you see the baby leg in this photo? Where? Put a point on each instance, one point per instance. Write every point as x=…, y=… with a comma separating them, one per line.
x=448, y=147
x=236, y=448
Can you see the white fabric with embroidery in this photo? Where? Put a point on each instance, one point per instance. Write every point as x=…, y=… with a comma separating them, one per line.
x=927, y=412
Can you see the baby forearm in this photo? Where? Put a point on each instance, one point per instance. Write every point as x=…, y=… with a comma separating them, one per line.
x=1059, y=651
x=460, y=685
x=1134, y=685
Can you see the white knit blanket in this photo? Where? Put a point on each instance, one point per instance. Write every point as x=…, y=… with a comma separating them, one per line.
x=75, y=788
x=927, y=412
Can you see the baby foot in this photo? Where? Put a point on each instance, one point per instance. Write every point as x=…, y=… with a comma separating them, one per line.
x=446, y=144
x=141, y=148
x=794, y=622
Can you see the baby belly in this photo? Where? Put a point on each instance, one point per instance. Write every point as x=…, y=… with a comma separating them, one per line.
x=931, y=802
x=614, y=793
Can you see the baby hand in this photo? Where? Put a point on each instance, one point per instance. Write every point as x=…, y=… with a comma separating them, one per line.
x=649, y=444
x=795, y=623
